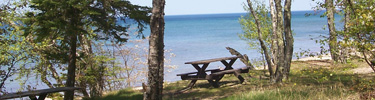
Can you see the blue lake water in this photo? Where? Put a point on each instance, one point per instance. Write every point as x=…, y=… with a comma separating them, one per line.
x=199, y=37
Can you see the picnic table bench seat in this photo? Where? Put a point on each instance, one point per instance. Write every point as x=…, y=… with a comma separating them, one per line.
x=195, y=76
x=41, y=93
x=211, y=70
x=236, y=72
x=231, y=71
x=214, y=73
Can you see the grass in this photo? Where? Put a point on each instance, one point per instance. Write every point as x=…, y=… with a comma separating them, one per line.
x=296, y=92
x=310, y=80
x=125, y=94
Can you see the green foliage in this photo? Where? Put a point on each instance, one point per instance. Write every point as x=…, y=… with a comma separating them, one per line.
x=361, y=28
x=15, y=49
x=357, y=34
x=249, y=28
x=56, y=20
x=36, y=43
x=361, y=25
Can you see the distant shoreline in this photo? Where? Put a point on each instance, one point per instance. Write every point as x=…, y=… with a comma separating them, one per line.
x=229, y=13
x=318, y=57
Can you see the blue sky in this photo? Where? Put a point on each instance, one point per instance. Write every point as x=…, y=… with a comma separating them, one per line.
x=186, y=7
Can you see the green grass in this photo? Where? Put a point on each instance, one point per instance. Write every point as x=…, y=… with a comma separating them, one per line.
x=125, y=94
x=312, y=80
x=295, y=93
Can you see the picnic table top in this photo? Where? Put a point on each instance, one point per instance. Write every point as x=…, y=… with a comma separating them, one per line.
x=211, y=60
x=37, y=92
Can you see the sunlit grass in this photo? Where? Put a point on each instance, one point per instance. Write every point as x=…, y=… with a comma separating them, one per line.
x=312, y=80
x=297, y=92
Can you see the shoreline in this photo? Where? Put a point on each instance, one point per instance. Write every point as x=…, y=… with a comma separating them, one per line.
x=318, y=57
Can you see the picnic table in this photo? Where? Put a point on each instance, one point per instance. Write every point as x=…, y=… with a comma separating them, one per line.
x=41, y=93
x=215, y=74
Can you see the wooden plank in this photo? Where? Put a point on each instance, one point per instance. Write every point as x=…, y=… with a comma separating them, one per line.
x=182, y=74
x=212, y=70
x=37, y=92
x=236, y=72
x=211, y=60
x=231, y=71
x=195, y=77
x=245, y=69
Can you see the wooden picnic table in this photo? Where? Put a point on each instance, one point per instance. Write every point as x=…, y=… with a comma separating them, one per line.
x=41, y=93
x=216, y=74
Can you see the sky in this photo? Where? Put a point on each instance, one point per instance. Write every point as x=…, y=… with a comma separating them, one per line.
x=189, y=7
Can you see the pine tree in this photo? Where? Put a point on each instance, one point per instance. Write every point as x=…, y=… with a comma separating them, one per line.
x=65, y=20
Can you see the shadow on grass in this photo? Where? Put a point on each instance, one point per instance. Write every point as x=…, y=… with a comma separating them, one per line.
x=204, y=90
x=126, y=94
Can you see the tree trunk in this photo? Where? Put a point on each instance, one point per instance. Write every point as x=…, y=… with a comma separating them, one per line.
x=69, y=95
x=280, y=43
x=156, y=52
x=88, y=61
x=260, y=38
x=289, y=40
x=274, y=36
x=344, y=50
x=332, y=31
x=54, y=74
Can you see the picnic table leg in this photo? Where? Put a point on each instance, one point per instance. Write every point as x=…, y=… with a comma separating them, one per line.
x=228, y=65
x=190, y=86
x=237, y=74
x=202, y=73
x=192, y=83
x=201, y=70
x=33, y=97
x=218, y=78
x=42, y=96
x=213, y=83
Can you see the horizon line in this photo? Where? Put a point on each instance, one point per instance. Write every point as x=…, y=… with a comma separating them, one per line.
x=221, y=13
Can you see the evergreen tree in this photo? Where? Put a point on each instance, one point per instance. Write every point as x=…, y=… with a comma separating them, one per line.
x=64, y=21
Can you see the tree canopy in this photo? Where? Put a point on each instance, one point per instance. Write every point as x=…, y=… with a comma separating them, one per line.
x=66, y=25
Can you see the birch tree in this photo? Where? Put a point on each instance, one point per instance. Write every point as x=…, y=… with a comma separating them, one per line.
x=279, y=54
x=257, y=30
x=332, y=30
x=154, y=89
x=282, y=38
